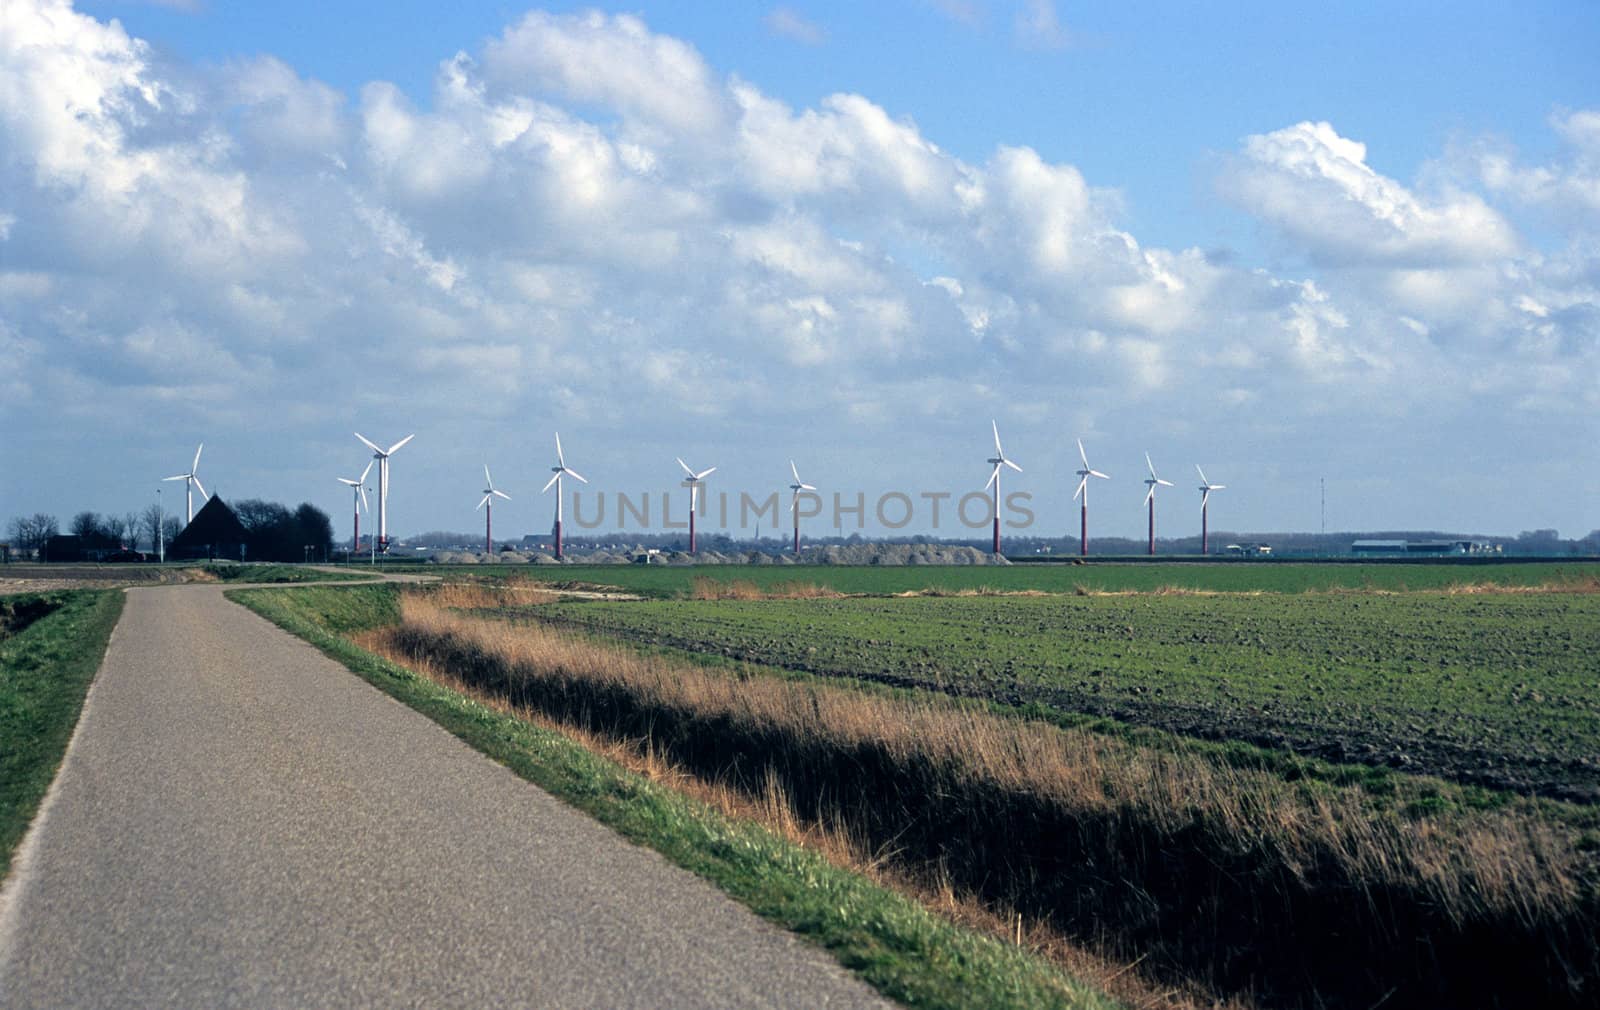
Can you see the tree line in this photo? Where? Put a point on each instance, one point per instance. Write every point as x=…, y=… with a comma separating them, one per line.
x=273, y=532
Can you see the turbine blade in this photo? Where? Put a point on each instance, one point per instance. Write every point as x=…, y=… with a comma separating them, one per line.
x=997, y=450
x=703, y=474
x=199, y=485
x=1218, y=487
x=573, y=473
x=1097, y=473
x=1202, y=474
x=1149, y=464
x=1205, y=496
x=796, y=473
x=806, y=487
x=488, y=480
x=559, y=458
x=396, y=447
x=484, y=502
x=994, y=475
x=502, y=494
x=551, y=482
x=347, y=480
x=181, y=476
x=367, y=470
x=1083, y=455
x=1081, y=485
x=196, y=465
x=1013, y=466
x=1164, y=483
x=1150, y=494
x=370, y=443
x=685, y=466
x=364, y=506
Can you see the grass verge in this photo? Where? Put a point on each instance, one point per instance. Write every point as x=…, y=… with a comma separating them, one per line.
x=46, y=667
x=896, y=945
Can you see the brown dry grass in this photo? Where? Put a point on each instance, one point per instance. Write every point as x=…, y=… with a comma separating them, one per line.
x=705, y=588
x=1191, y=859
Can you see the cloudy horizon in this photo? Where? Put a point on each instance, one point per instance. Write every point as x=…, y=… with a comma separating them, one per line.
x=669, y=235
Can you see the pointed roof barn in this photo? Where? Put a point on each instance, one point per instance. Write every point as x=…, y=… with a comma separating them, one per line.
x=215, y=533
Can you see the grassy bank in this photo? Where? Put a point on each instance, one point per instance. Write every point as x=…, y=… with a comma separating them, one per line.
x=1302, y=893
x=50, y=648
x=908, y=953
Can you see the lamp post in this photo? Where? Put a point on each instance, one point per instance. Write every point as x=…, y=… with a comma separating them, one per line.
x=161, y=531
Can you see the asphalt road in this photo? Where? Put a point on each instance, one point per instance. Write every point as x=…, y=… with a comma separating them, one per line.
x=241, y=822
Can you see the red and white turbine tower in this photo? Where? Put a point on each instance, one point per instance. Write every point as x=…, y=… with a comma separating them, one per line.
x=998, y=460
x=561, y=470
x=489, y=495
x=358, y=502
x=1083, y=490
x=794, y=505
x=693, y=482
x=1150, y=498
x=1206, y=487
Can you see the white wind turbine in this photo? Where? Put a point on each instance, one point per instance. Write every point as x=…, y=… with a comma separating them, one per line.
x=1153, y=482
x=794, y=505
x=1083, y=489
x=489, y=495
x=191, y=480
x=694, y=480
x=382, y=456
x=561, y=470
x=1206, y=487
x=998, y=460
x=358, y=501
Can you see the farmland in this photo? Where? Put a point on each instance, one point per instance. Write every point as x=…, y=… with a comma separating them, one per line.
x=1275, y=577
x=1499, y=688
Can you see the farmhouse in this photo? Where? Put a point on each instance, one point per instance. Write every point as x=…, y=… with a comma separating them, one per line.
x=1419, y=548
x=214, y=533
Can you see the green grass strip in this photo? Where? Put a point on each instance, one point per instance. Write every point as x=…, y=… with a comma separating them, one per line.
x=45, y=672
x=906, y=952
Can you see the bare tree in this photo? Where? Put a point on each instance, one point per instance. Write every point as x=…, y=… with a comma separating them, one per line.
x=113, y=527
x=150, y=524
x=130, y=522
x=30, y=533
x=86, y=524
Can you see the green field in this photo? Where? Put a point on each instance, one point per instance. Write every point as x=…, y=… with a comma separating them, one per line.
x=1496, y=688
x=1277, y=577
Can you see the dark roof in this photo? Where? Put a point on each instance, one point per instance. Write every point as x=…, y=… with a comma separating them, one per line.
x=215, y=530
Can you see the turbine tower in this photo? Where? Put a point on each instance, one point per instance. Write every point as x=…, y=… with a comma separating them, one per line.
x=694, y=480
x=191, y=480
x=382, y=456
x=1150, y=499
x=794, y=505
x=489, y=495
x=1206, y=487
x=998, y=460
x=358, y=488
x=1083, y=489
x=561, y=470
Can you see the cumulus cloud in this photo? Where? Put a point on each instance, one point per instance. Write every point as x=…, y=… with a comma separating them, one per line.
x=785, y=23
x=1316, y=190
x=586, y=214
x=1567, y=190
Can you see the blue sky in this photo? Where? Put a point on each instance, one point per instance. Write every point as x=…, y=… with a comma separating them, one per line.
x=1355, y=242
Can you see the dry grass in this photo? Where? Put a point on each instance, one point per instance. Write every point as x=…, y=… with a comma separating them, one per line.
x=1210, y=868
x=706, y=588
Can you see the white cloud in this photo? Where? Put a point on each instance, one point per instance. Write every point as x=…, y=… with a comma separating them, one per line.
x=1038, y=26
x=1567, y=190
x=784, y=22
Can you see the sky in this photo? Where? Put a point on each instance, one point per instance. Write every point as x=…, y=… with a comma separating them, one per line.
x=1348, y=246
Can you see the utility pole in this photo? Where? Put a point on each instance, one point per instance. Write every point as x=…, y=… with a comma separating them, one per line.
x=161, y=531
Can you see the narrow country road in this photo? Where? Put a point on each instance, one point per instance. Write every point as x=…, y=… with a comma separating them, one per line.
x=241, y=822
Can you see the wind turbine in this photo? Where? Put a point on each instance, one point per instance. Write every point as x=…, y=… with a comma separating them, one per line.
x=358, y=496
x=694, y=481
x=382, y=456
x=794, y=506
x=999, y=460
x=561, y=470
x=1083, y=489
x=191, y=481
x=1150, y=498
x=489, y=495
x=1206, y=487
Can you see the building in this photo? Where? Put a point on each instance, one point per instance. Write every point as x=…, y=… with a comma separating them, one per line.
x=1421, y=548
x=215, y=534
